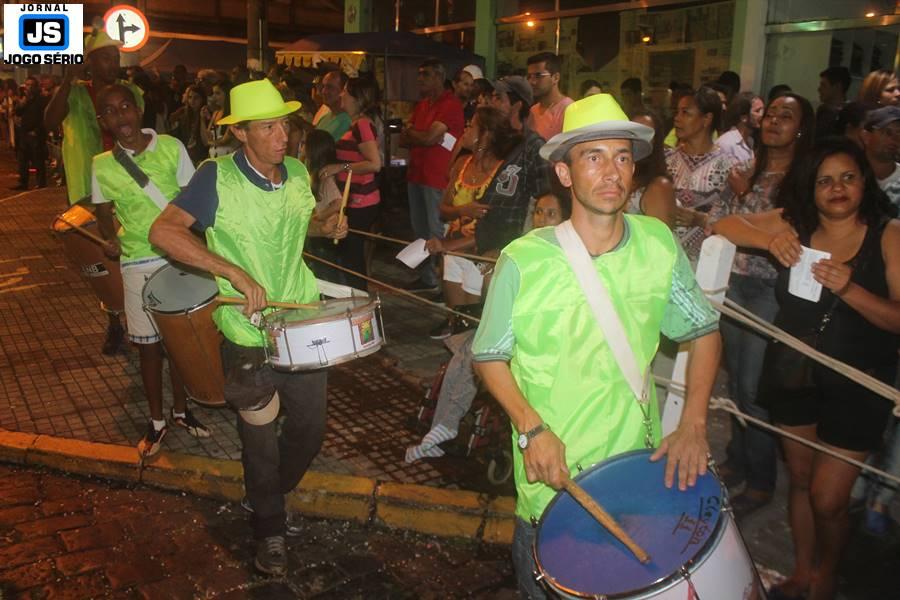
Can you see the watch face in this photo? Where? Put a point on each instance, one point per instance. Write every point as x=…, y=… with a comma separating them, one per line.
x=523, y=441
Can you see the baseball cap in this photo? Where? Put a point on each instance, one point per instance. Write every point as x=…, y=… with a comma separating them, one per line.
x=517, y=84
x=882, y=117
x=474, y=71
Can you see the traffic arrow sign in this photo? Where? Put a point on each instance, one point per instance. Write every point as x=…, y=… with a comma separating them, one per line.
x=128, y=25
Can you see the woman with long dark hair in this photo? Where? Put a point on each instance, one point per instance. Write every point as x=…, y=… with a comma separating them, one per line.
x=217, y=137
x=490, y=138
x=187, y=126
x=788, y=132
x=359, y=153
x=652, y=193
x=832, y=204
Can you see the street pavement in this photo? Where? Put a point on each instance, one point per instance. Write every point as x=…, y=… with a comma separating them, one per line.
x=67, y=537
x=54, y=381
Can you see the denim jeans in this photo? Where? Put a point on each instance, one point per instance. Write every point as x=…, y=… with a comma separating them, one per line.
x=425, y=216
x=274, y=463
x=523, y=561
x=752, y=450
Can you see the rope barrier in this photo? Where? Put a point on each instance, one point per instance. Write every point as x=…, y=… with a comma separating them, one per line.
x=728, y=405
x=396, y=290
x=377, y=236
x=741, y=314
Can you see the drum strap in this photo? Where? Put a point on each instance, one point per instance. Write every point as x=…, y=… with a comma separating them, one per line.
x=607, y=318
x=140, y=178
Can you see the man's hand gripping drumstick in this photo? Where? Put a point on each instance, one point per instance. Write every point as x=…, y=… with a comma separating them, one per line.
x=545, y=457
x=344, y=199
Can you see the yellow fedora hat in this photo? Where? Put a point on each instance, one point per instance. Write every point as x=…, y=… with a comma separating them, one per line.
x=255, y=101
x=597, y=117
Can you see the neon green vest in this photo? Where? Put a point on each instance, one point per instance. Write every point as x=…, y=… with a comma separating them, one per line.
x=81, y=138
x=134, y=209
x=561, y=362
x=262, y=233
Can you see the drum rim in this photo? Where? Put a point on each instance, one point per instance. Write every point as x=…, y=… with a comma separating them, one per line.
x=657, y=586
x=268, y=320
x=181, y=311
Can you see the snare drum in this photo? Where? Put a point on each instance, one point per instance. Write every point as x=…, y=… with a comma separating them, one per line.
x=181, y=303
x=102, y=272
x=333, y=332
x=695, y=548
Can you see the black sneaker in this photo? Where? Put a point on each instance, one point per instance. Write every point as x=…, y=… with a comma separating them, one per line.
x=292, y=525
x=271, y=556
x=151, y=443
x=190, y=422
x=115, y=336
x=442, y=331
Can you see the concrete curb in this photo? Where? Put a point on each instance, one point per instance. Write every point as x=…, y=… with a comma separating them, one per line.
x=435, y=511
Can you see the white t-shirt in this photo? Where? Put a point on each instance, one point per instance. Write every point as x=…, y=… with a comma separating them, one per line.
x=891, y=185
x=733, y=143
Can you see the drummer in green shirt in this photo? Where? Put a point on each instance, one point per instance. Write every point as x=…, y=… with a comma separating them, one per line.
x=255, y=209
x=165, y=162
x=541, y=352
x=73, y=106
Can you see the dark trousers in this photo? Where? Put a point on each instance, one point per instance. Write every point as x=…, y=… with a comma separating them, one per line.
x=523, y=561
x=352, y=249
x=751, y=450
x=275, y=462
x=31, y=151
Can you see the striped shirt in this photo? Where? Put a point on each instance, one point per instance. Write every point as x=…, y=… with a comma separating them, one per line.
x=363, y=186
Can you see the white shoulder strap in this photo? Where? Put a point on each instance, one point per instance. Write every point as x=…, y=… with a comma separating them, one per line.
x=602, y=307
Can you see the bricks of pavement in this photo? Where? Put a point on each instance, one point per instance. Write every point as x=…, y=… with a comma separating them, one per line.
x=207, y=552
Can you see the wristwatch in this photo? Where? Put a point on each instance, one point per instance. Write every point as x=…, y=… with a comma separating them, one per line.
x=525, y=438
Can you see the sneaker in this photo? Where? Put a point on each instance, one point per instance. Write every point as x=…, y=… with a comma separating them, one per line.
x=152, y=441
x=115, y=335
x=271, y=556
x=190, y=422
x=442, y=331
x=292, y=525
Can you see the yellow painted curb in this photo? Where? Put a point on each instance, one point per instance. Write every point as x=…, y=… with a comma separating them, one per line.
x=448, y=513
x=85, y=458
x=14, y=445
x=210, y=477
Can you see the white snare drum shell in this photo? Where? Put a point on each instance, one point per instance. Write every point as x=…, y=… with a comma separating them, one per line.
x=340, y=330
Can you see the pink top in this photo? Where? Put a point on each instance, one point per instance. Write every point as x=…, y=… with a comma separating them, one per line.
x=363, y=186
x=548, y=123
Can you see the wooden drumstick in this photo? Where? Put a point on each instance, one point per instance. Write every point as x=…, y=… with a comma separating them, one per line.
x=343, y=202
x=235, y=300
x=83, y=231
x=605, y=519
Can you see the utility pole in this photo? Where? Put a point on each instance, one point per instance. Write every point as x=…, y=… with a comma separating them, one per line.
x=257, y=35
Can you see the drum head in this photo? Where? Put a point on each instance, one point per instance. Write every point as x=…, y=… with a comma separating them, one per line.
x=326, y=310
x=175, y=289
x=580, y=557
